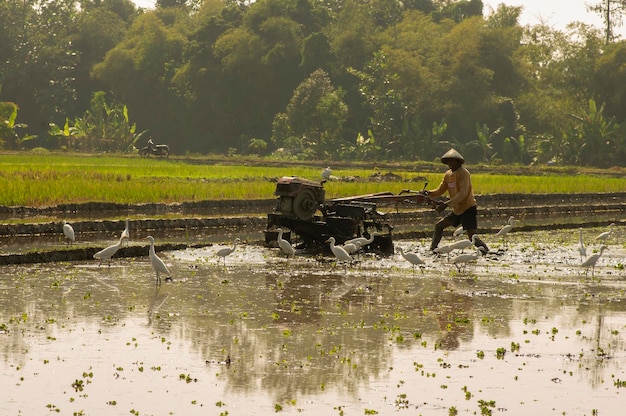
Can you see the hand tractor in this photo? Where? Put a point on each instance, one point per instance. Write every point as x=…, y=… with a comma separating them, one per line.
x=304, y=211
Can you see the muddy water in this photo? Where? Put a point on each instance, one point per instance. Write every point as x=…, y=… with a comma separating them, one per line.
x=523, y=331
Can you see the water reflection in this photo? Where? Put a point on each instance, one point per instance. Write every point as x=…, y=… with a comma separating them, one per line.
x=306, y=332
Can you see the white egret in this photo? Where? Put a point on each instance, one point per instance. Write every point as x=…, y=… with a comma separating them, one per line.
x=582, y=250
x=226, y=251
x=68, y=231
x=458, y=232
x=603, y=237
x=285, y=245
x=339, y=252
x=157, y=263
x=466, y=258
x=411, y=257
x=106, y=253
x=506, y=229
x=326, y=173
x=351, y=248
x=354, y=245
x=592, y=260
x=444, y=250
x=362, y=241
x=126, y=233
x=463, y=244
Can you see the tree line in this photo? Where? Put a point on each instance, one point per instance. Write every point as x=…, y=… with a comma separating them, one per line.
x=305, y=79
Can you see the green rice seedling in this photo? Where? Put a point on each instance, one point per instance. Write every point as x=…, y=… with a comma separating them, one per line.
x=42, y=180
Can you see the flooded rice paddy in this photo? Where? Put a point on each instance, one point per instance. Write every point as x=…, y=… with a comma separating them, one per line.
x=524, y=331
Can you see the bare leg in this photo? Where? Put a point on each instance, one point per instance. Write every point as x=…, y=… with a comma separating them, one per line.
x=441, y=225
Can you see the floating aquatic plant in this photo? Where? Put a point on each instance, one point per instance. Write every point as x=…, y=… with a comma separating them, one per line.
x=619, y=383
x=78, y=385
x=500, y=353
x=486, y=406
x=187, y=378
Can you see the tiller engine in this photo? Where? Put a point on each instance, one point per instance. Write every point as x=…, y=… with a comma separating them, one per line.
x=302, y=210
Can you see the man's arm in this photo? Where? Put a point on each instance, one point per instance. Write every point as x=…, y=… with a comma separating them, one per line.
x=443, y=187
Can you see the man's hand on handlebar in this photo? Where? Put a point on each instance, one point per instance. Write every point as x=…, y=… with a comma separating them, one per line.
x=441, y=206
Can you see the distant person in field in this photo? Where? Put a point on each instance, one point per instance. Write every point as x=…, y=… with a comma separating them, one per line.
x=458, y=183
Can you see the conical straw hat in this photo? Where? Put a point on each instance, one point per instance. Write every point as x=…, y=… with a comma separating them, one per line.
x=452, y=154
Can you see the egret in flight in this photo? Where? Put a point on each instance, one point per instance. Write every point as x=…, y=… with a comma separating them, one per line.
x=157, y=263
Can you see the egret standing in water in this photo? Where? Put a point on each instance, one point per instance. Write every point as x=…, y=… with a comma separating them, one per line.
x=351, y=248
x=463, y=244
x=466, y=258
x=506, y=229
x=411, y=257
x=157, y=263
x=340, y=253
x=106, y=253
x=582, y=250
x=285, y=245
x=592, y=260
x=444, y=250
x=223, y=252
x=68, y=231
x=126, y=233
x=603, y=237
x=362, y=241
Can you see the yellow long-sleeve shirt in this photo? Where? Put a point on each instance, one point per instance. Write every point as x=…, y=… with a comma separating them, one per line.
x=458, y=184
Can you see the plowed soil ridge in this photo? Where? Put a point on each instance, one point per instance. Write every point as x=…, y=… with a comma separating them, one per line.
x=555, y=211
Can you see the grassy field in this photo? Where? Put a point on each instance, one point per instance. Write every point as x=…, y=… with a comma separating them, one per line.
x=43, y=180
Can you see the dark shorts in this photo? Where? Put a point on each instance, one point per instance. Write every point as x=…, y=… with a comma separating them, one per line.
x=467, y=218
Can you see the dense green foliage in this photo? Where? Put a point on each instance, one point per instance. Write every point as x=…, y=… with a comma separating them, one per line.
x=31, y=179
x=303, y=79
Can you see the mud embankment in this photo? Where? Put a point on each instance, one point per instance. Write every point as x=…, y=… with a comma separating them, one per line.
x=146, y=225
x=107, y=210
x=85, y=253
x=540, y=212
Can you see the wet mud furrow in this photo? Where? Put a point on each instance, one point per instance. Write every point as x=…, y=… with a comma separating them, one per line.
x=86, y=253
x=541, y=212
x=150, y=224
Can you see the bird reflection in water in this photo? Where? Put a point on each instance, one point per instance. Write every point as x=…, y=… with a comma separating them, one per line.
x=453, y=314
x=155, y=305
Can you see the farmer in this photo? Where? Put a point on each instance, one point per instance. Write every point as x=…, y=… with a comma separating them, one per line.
x=457, y=182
